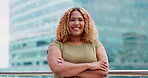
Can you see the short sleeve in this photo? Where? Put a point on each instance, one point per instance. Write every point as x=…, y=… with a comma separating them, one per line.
x=97, y=44
x=56, y=43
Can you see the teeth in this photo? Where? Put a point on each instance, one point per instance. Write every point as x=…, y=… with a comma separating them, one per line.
x=76, y=28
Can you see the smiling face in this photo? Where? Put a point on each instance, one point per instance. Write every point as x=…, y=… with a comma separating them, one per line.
x=76, y=23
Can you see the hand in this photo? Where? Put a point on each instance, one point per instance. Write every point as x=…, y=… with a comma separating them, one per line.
x=101, y=65
x=60, y=60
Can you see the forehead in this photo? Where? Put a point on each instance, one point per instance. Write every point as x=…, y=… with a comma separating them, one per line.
x=76, y=14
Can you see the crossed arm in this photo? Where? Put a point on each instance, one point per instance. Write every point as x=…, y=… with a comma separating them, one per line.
x=61, y=67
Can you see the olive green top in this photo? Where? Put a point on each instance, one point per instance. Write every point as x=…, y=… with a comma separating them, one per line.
x=84, y=53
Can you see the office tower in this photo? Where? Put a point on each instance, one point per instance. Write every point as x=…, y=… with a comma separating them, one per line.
x=32, y=25
x=122, y=26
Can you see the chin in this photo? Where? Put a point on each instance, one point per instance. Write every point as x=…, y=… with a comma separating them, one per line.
x=76, y=34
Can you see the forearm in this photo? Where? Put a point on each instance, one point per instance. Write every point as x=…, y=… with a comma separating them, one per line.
x=67, y=69
x=60, y=67
x=101, y=73
x=93, y=74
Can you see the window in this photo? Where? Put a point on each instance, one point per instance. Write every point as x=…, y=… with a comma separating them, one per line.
x=37, y=63
x=45, y=62
x=41, y=43
x=27, y=63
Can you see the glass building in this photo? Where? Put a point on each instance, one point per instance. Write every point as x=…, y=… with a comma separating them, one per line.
x=122, y=26
x=32, y=24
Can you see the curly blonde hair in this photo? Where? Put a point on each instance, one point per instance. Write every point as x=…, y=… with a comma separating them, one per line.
x=89, y=34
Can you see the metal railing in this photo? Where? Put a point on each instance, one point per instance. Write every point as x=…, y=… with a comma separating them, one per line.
x=139, y=73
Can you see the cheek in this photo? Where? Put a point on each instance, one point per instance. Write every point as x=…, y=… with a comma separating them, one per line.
x=70, y=24
x=82, y=24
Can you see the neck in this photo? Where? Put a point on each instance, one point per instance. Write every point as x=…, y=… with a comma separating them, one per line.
x=75, y=38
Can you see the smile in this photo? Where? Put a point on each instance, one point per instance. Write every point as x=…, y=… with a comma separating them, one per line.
x=76, y=28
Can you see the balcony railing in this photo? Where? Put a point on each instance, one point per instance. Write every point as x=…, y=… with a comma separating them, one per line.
x=139, y=73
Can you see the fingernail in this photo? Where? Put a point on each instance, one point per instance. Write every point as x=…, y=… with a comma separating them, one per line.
x=60, y=57
x=59, y=61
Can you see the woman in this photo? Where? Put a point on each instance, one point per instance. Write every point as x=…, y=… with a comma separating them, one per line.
x=76, y=52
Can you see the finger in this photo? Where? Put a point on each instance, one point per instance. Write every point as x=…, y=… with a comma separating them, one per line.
x=104, y=67
x=100, y=62
x=59, y=61
x=60, y=58
x=104, y=62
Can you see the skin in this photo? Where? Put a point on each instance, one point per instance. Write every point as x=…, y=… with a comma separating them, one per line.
x=76, y=27
x=61, y=67
x=76, y=24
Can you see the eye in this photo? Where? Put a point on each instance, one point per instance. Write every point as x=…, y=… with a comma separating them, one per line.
x=72, y=20
x=80, y=19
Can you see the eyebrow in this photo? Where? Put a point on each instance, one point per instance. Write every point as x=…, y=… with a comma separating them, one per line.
x=77, y=18
x=74, y=17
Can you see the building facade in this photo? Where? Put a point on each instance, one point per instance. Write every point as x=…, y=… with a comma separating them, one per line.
x=32, y=24
x=122, y=26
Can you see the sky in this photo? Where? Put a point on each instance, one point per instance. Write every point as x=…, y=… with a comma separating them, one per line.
x=4, y=33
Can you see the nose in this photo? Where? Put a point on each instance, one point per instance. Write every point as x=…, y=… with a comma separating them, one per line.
x=77, y=22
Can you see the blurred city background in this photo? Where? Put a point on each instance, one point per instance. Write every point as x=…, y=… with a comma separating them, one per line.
x=122, y=26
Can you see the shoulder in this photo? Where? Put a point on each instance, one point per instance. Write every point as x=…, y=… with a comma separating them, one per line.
x=97, y=43
x=57, y=43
